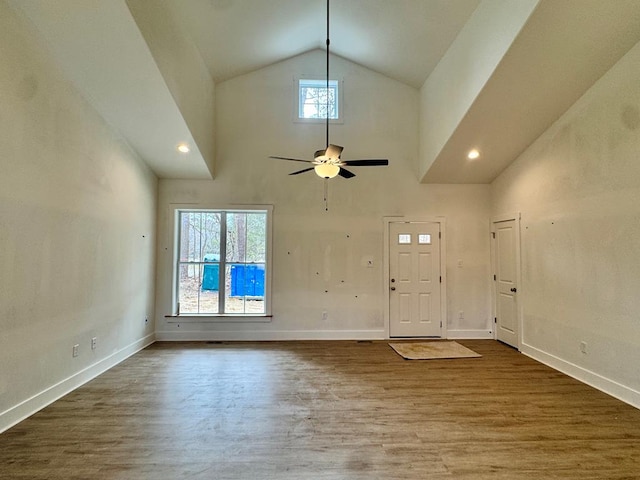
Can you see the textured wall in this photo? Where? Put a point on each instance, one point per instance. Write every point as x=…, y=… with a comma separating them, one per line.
x=578, y=189
x=77, y=216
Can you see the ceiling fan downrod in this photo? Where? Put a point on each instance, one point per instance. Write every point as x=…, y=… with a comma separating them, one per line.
x=327, y=162
x=327, y=91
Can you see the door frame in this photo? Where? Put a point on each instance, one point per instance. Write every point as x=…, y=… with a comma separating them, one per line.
x=441, y=221
x=494, y=291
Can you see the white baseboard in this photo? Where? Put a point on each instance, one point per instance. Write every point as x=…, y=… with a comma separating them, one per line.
x=259, y=336
x=28, y=407
x=469, y=335
x=610, y=387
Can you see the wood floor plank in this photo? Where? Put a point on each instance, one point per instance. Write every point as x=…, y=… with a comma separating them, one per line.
x=326, y=410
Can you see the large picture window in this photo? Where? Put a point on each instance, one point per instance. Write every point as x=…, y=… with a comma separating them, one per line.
x=222, y=262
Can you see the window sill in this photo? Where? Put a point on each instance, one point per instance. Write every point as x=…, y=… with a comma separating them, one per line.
x=338, y=121
x=213, y=318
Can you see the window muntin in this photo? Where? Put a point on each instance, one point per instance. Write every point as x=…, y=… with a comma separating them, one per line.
x=313, y=96
x=221, y=266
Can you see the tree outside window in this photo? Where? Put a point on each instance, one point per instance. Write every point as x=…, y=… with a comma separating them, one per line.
x=221, y=262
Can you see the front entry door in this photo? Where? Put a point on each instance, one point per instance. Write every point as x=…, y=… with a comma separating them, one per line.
x=506, y=281
x=414, y=279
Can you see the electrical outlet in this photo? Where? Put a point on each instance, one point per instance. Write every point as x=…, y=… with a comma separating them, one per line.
x=325, y=315
x=94, y=343
x=583, y=347
x=76, y=348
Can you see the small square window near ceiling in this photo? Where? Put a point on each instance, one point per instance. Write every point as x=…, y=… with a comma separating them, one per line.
x=315, y=100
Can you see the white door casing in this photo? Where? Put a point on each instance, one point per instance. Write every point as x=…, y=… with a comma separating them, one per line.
x=506, y=268
x=414, y=279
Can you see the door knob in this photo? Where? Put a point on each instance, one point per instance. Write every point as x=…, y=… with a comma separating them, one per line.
x=393, y=288
x=514, y=289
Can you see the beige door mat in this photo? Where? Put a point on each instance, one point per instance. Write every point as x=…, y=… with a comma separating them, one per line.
x=432, y=350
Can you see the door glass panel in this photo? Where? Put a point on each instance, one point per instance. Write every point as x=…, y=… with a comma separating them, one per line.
x=404, y=238
x=424, y=239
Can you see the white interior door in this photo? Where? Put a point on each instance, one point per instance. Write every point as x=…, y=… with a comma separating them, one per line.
x=414, y=279
x=506, y=281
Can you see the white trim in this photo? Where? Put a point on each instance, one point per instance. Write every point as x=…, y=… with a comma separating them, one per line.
x=218, y=318
x=610, y=387
x=296, y=99
x=441, y=220
x=497, y=219
x=172, y=216
x=260, y=336
x=470, y=334
x=28, y=407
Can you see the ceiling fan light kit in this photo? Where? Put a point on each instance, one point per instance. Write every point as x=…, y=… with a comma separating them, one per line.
x=327, y=162
x=327, y=170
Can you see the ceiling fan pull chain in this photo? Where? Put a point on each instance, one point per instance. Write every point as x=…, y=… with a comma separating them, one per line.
x=326, y=194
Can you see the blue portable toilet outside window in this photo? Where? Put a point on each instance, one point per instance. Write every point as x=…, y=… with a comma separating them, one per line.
x=211, y=273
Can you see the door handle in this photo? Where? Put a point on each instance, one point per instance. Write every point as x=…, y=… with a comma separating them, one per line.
x=514, y=289
x=393, y=288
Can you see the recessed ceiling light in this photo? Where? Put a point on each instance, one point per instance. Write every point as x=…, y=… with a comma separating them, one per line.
x=473, y=154
x=183, y=148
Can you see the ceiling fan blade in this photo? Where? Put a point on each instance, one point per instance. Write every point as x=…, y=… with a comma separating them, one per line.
x=366, y=163
x=334, y=151
x=344, y=173
x=291, y=159
x=302, y=171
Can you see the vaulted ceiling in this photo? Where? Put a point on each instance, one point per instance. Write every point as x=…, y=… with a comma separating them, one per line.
x=403, y=39
x=558, y=53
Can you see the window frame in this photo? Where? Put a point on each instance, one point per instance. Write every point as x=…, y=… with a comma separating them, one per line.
x=228, y=316
x=320, y=78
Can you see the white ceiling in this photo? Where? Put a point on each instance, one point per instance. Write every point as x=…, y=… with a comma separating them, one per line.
x=238, y=36
x=564, y=47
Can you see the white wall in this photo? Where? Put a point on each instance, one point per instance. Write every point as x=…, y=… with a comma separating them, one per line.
x=183, y=70
x=312, y=252
x=462, y=73
x=578, y=189
x=77, y=235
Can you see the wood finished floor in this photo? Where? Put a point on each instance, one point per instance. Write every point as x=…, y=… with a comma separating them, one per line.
x=326, y=410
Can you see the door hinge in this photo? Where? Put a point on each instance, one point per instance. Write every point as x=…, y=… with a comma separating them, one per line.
x=493, y=234
x=440, y=323
x=494, y=278
x=495, y=319
x=440, y=279
x=439, y=234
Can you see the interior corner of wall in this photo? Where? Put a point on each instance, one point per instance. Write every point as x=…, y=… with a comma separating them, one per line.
x=425, y=161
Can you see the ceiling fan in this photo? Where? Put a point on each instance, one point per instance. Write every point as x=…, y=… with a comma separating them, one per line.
x=327, y=162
